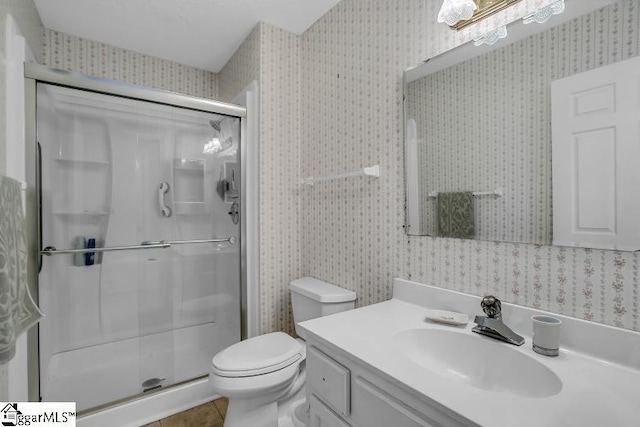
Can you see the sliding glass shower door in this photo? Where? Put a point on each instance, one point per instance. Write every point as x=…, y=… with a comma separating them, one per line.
x=155, y=190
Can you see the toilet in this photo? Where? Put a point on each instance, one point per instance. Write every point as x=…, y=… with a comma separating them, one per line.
x=262, y=375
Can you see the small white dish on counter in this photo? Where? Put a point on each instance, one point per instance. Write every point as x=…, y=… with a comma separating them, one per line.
x=447, y=317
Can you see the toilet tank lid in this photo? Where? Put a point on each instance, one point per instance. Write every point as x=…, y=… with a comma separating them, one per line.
x=321, y=291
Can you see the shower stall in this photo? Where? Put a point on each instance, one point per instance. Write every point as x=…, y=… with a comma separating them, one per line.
x=139, y=237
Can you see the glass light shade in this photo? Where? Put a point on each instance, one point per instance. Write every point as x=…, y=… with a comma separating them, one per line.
x=453, y=11
x=492, y=36
x=542, y=15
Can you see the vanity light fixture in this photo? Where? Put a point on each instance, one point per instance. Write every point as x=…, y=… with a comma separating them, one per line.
x=542, y=15
x=492, y=36
x=459, y=14
x=453, y=11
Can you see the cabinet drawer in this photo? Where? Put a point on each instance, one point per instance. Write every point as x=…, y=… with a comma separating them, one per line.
x=322, y=416
x=329, y=380
x=374, y=407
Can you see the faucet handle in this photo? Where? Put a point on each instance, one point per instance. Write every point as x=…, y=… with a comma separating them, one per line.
x=491, y=306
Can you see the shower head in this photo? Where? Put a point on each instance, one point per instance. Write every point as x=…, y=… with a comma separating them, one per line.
x=219, y=142
x=215, y=125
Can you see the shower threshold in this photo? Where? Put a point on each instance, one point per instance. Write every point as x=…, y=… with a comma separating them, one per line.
x=139, y=396
x=108, y=374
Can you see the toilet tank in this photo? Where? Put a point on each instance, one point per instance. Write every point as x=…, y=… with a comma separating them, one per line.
x=311, y=298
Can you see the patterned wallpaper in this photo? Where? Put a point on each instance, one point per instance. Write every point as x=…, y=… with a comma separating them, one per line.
x=242, y=68
x=280, y=121
x=272, y=56
x=72, y=53
x=352, y=63
x=421, y=37
x=351, y=117
x=595, y=285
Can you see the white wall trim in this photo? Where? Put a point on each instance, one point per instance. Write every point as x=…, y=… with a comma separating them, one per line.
x=248, y=98
x=17, y=53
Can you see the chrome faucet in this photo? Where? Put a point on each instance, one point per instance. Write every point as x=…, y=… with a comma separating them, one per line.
x=491, y=325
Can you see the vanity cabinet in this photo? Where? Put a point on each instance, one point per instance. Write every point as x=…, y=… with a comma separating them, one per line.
x=322, y=415
x=331, y=380
x=343, y=393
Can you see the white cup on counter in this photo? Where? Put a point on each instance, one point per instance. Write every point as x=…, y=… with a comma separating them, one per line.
x=546, y=335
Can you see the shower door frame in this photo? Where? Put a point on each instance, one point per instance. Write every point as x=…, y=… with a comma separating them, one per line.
x=35, y=74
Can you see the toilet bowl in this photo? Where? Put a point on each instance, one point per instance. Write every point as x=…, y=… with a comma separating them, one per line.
x=254, y=375
x=263, y=374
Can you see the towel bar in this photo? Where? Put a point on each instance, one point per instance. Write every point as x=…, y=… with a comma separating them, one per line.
x=499, y=192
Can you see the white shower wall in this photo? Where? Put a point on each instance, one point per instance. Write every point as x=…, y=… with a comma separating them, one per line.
x=134, y=314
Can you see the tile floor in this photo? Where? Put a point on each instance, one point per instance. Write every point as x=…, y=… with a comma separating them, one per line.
x=208, y=415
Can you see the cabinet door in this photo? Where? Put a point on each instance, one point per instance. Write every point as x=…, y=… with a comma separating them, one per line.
x=322, y=416
x=329, y=380
x=596, y=149
x=373, y=407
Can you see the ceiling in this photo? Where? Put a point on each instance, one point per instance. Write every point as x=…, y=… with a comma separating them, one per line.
x=200, y=33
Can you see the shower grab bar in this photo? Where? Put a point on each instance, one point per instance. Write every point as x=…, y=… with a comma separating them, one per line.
x=160, y=244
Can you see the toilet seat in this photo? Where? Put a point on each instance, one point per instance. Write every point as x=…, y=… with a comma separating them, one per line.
x=257, y=356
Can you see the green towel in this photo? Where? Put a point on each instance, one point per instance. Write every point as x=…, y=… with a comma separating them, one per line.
x=455, y=215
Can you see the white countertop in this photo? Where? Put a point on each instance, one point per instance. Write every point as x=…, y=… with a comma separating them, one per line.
x=599, y=390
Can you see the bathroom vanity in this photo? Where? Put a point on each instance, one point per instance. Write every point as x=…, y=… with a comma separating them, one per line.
x=343, y=392
x=386, y=365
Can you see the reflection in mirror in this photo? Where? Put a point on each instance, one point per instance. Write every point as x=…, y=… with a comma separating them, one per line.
x=483, y=125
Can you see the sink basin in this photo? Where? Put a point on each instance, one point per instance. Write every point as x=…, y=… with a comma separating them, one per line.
x=478, y=361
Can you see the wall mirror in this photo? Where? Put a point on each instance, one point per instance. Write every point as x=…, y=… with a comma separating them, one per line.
x=478, y=119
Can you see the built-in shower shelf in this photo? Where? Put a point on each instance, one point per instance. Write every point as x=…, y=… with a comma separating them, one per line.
x=189, y=164
x=190, y=208
x=82, y=162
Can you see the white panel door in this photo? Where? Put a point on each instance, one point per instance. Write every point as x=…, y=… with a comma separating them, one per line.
x=596, y=150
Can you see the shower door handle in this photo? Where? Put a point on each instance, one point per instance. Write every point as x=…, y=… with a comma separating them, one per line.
x=165, y=210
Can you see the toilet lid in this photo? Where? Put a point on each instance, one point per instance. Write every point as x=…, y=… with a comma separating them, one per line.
x=259, y=355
